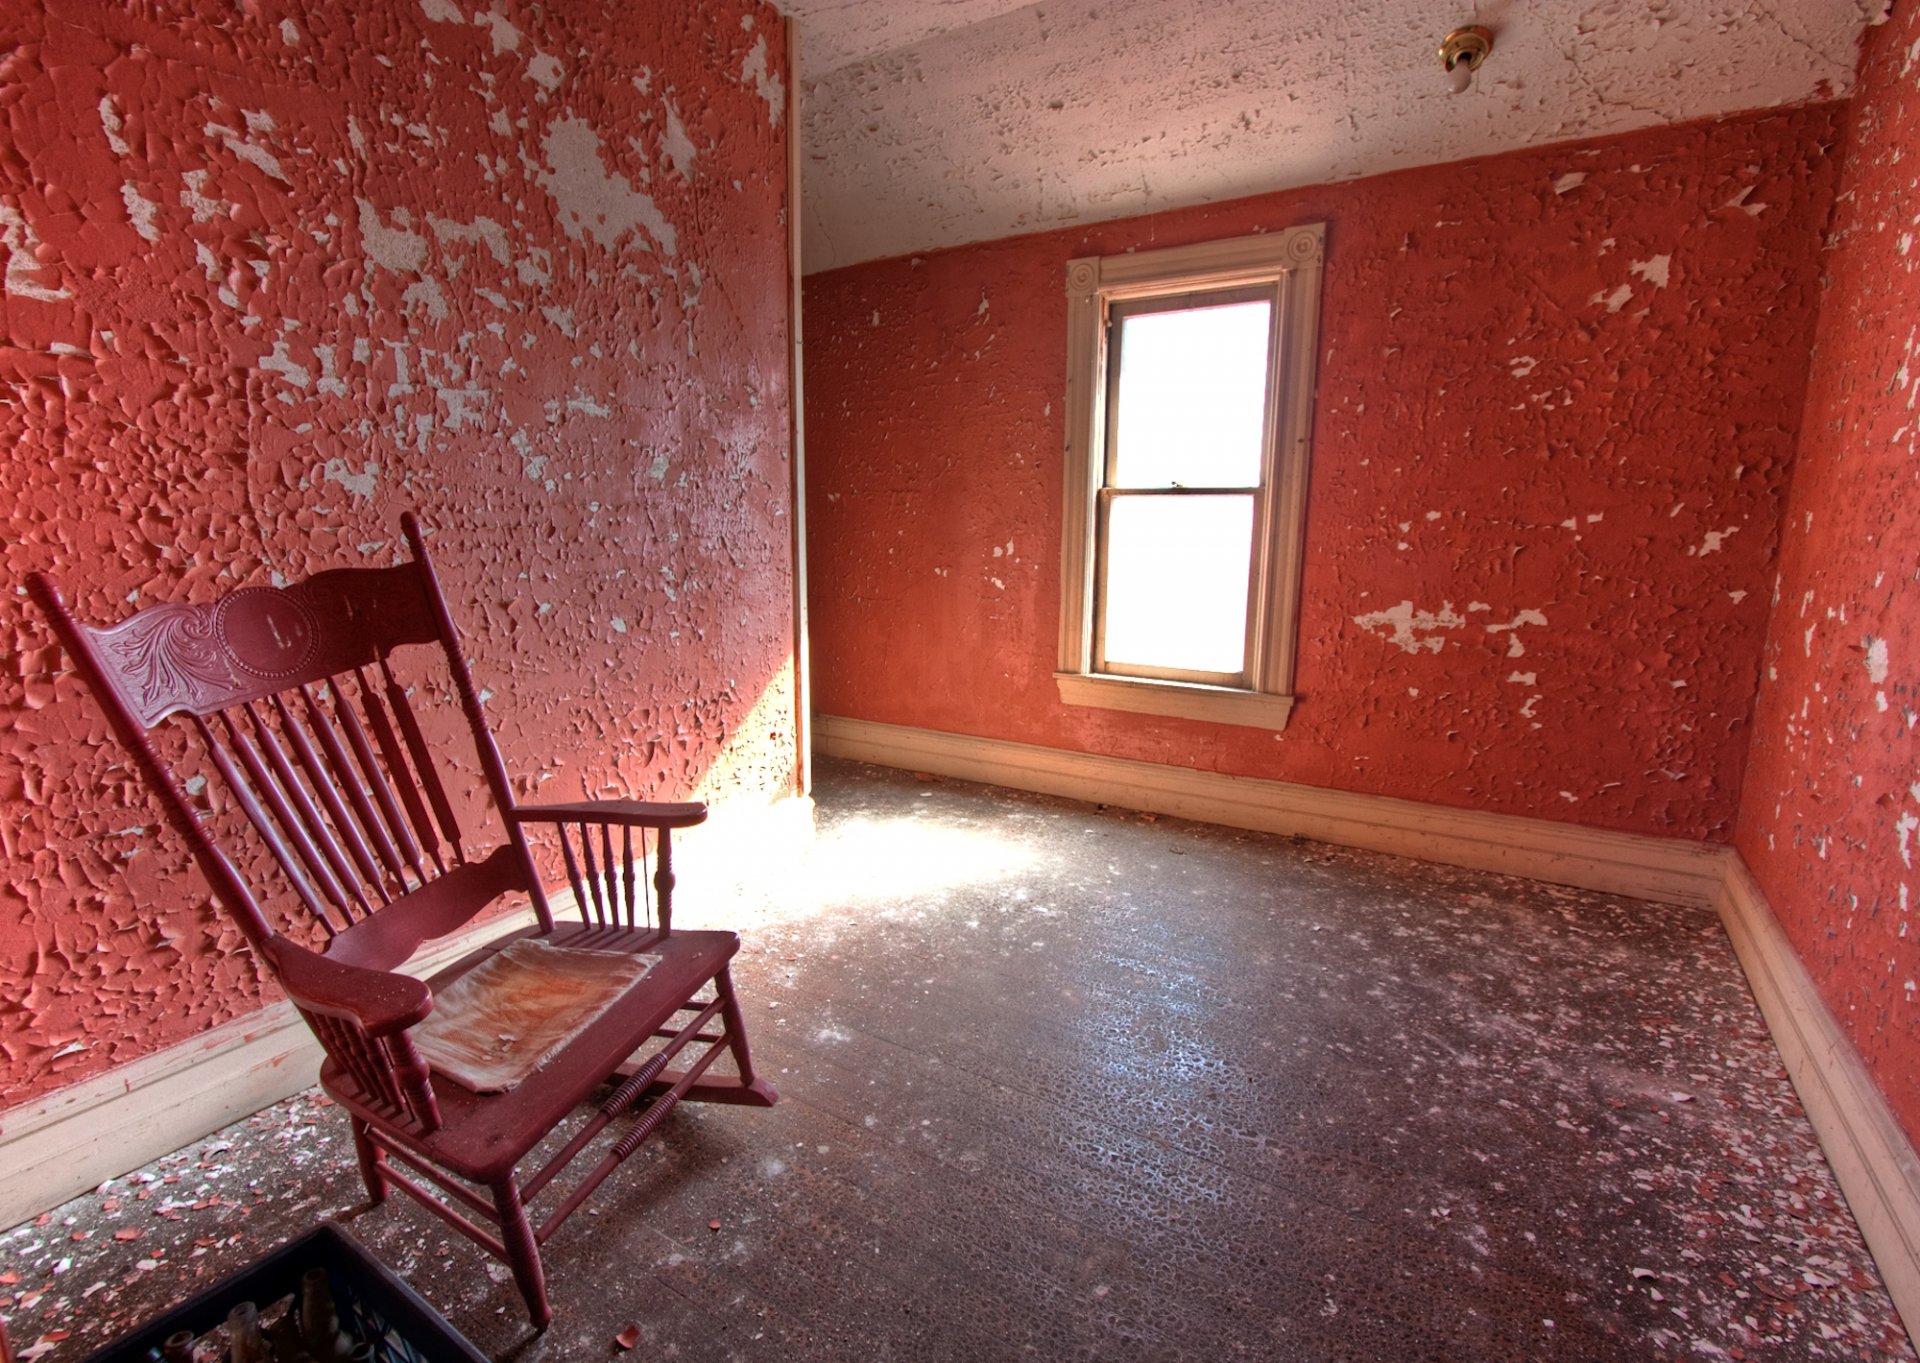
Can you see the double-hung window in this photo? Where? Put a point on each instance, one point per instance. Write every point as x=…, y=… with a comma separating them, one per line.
x=1189, y=396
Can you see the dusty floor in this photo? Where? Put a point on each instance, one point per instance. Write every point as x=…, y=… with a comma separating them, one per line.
x=1064, y=1083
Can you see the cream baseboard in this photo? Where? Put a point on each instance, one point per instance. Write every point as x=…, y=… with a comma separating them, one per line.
x=1670, y=870
x=1876, y=1166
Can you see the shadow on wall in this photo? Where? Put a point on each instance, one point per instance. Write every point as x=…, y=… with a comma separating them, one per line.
x=271, y=279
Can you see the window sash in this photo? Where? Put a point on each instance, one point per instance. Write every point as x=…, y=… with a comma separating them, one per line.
x=1259, y=547
x=1290, y=261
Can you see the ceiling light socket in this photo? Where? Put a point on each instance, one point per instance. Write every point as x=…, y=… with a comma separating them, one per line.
x=1461, y=53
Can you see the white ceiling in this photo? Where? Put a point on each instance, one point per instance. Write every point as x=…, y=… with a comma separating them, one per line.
x=928, y=123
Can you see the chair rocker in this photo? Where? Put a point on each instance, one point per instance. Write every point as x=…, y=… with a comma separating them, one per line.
x=295, y=709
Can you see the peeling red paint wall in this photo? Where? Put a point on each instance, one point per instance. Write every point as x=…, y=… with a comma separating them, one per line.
x=273, y=273
x=1558, y=398
x=1830, y=814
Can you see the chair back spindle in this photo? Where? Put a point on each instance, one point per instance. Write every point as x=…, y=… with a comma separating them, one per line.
x=611, y=884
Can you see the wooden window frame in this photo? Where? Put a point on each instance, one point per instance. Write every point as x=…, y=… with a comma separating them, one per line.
x=1289, y=262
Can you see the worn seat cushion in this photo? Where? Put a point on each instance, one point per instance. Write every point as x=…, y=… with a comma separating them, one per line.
x=484, y=1134
x=513, y=1012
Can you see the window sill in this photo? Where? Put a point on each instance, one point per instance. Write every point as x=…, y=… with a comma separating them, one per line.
x=1183, y=700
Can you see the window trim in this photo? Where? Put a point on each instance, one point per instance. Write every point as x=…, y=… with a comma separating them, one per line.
x=1290, y=261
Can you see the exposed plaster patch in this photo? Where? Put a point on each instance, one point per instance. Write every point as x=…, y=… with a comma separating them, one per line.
x=1713, y=541
x=755, y=72
x=1412, y=630
x=330, y=384
x=1656, y=270
x=1876, y=660
x=1569, y=182
x=442, y=11
x=465, y=406
x=484, y=230
x=114, y=127
x=141, y=212
x=279, y=362
x=676, y=144
x=247, y=150
x=505, y=37
x=1516, y=649
x=592, y=200
x=546, y=71
x=393, y=248
x=1616, y=300
x=198, y=202
x=425, y=293
x=23, y=278
x=359, y=484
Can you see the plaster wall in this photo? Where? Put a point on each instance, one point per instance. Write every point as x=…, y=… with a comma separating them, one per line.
x=271, y=274
x=1830, y=813
x=1559, y=394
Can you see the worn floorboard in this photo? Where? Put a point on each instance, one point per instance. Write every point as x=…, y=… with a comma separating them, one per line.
x=1066, y=1083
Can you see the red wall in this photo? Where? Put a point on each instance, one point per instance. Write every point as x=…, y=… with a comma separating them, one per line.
x=274, y=273
x=1830, y=816
x=1559, y=387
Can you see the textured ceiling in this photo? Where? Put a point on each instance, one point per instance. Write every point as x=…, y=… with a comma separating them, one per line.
x=929, y=123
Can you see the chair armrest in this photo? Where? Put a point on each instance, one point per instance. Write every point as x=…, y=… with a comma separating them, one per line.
x=627, y=813
x=380, y=1001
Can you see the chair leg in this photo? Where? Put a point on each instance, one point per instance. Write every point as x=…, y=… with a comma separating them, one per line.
x=736, y=1029
x=372, y=1163
x=736, y=1026
x=523, y=1252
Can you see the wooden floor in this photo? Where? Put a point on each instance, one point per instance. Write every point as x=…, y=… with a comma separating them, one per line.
x=1062, y=1083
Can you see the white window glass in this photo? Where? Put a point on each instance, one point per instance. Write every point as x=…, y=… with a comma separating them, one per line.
x=1176, y=581
x=1190, y=405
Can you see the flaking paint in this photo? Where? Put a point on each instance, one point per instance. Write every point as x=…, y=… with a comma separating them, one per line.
x=274, y=274
x=1832, y=797
x=1505, y=463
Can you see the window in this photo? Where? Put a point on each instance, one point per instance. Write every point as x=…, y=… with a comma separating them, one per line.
x=1189, y=402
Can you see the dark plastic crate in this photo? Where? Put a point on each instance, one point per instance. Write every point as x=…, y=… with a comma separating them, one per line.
x=374, y=1303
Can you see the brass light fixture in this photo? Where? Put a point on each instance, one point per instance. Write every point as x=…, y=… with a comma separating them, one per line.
x=1461, y=53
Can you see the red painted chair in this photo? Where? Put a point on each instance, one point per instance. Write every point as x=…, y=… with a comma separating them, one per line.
x=296, y=709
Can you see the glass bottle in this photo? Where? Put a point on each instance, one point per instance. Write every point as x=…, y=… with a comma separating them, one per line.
x=320, y=1324
x=245, y=1342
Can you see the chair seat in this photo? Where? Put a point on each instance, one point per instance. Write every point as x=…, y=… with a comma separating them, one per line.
x=482, y=1136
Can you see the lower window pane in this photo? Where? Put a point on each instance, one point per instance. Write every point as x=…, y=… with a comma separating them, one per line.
x=1176, y=581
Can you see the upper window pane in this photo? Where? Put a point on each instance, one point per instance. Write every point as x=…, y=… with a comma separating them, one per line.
x=1190, y=406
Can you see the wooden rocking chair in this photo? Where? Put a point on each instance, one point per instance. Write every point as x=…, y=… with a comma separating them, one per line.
x=292, y=699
